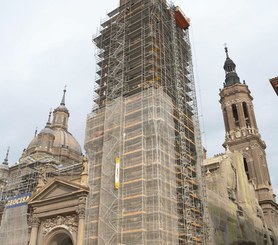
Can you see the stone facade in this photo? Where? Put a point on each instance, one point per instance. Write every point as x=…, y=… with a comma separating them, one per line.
x=245, y=197
x=43, y=197
x=235, y=216
x=58, y=209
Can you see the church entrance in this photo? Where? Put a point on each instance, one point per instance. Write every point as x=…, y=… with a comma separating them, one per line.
x=60, y=238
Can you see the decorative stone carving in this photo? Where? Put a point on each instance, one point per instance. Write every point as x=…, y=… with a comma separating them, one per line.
x=41, y=179
x=254, y=145
x=34, y=221
x=85, y=164
x=60, y=220
x=81, y=211
x=81, y=208
x=238, y=134
x=69, y=222
x=239, y=100
x=84, y=174
x=227, y=104
x=82, y=200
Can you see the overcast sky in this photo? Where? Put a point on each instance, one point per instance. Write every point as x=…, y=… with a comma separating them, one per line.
x=46, y=44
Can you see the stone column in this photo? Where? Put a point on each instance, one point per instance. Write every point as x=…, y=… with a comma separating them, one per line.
x=252, y=116
x=35, y=222
x=241, y=115
x=81, y=220
x=230, y=117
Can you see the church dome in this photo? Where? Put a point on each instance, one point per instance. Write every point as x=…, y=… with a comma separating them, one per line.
x=62, y=138
x=65, y=139
x=47, y=130
x=55, y=140
x=62, y=108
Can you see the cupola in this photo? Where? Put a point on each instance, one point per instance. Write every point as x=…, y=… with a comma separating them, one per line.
x=230, y=70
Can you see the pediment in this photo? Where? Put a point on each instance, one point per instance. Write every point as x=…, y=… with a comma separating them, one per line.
x=57, y=189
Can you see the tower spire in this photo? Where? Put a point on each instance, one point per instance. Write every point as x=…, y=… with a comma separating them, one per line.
x=230, y=70
x=226, y=50
x=242, y=134
x=61, y=114
x=48, y=124
x=64, y=96
x=6, y=158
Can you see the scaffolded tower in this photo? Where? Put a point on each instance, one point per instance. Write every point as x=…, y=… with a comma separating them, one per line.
x=142, y=136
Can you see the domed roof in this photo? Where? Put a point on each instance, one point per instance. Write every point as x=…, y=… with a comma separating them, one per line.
x=62, y=108
x=4, y=167
x=65, y=139
x=47, y=130
x=55, y=139
x=62, y=138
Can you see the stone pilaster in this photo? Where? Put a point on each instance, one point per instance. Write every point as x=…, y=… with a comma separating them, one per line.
x=35, y=223
x=81, y=220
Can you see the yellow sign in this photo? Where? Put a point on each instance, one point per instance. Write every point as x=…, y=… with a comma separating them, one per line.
x=117, y=160
x=117, y=173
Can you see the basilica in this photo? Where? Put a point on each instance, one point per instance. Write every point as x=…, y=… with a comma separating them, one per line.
x=144, y=177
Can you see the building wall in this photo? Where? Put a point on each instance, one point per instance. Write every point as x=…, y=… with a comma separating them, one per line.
x=235, y=214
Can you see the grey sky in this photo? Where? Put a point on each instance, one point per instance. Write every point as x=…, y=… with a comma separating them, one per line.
x=47, y=44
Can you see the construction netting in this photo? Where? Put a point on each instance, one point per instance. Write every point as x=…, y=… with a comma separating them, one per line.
x=140, y=131
x=142, y=137
x=14, y=226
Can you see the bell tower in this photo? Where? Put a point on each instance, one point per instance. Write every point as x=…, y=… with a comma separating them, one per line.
x=242, y=135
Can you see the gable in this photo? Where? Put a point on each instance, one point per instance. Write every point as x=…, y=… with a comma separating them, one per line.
x=57, y=189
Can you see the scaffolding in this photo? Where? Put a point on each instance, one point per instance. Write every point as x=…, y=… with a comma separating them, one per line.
x=14, y=226
x=200, y=169
x=20, y=185
x=145, y=115
x=23, y=177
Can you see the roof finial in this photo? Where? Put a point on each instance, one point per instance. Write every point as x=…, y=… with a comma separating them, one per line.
x=6, y=158
x=64, y=96
x=226, y=50
x=49, y=118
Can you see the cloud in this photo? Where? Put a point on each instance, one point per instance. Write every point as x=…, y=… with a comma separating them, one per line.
x=47, y=44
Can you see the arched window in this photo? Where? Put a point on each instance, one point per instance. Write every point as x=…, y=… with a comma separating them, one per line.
x=225, y=115
x=235, y=115
x=246, y=168
x=246, y=114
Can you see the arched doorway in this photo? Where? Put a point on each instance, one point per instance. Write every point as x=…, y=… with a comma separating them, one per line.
x=59, y=237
